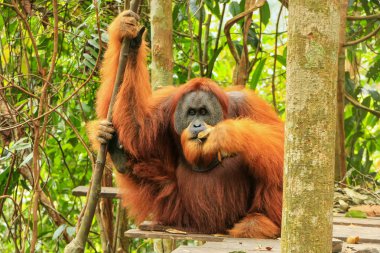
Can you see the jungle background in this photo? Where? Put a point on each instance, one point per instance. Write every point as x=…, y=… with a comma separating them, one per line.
x=50, y=54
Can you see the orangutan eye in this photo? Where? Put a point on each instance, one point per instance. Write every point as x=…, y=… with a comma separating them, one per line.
x=191, y=112
x=203, y=111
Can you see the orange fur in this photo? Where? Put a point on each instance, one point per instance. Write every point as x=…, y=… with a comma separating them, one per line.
x=255, y=226
x=241, y=191
x=92, y=128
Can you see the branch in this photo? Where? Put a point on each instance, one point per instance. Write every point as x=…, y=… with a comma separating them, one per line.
x=205, y=45
x=355, y=103
x=351, y=43
x=29, y=30
x=352, y=18
x=78, y=244
x=59, y=105
x=275, y=60
x=210, y=65
x=39, y=133
x=233, y=21
x=199, y=41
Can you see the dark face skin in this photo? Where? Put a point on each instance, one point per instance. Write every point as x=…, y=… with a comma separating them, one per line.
x=195, y=110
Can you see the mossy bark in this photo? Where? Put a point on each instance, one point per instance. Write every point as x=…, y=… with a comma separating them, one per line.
x=310, y=126
x=162, y=43
x=162, y=67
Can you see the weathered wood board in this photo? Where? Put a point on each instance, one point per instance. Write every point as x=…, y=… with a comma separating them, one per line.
x=251, y=246
x=137, y=233
x=369, y=222
x=366, y=234
x=243, y=245
x=106, y=192
x=231, y=245
x=368, y=231
x=216, y=243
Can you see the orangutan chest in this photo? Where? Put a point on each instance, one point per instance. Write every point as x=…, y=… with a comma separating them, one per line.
x=213, y=201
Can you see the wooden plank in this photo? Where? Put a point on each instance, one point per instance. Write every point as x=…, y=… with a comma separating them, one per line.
x=366, y=234
x=243, y=245
x=213, y=242
x=201, y=249
x=137, y=233
x=106, y=192
x=369, y=222
x=363, y=247
x=370, y=234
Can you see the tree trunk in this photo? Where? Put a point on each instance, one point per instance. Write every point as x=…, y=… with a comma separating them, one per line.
x=340, y=156
x=161, y=36
x=310, y=126
x=162, y=67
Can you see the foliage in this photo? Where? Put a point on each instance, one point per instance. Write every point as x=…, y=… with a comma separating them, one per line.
x=362, y=128
x=199, y=50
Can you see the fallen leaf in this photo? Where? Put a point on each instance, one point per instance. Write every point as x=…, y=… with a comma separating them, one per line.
x=219, y=235
x=175, y=231
x=370, y=210
x=356, y=214
x=352, y=239
x=260, y=248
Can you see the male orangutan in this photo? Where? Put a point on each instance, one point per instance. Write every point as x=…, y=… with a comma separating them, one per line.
x=193, y=157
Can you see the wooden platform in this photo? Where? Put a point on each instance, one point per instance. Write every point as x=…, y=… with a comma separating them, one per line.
x=219, y=244
x=368, y=231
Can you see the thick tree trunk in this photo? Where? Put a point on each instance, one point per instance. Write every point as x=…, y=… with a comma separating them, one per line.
x=161, y=35
x=340, y=156
x=310, y=126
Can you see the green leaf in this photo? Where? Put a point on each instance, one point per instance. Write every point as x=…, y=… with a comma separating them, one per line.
x=356, y=214
x=3, y=178
x=25, y=185
x=27, y=159
x=175, y=16
x=70, y=230
x=93, y=53
x=20, y=144
x=89, y=59
x=93, y=43
x=257, y=73
x=265, y=13
x=59, y=231
x=234, y=8
x=281, y=59
x=197, y=11
x=239, y=47
x=213, y=8
x=285, y=53
x=215, y=56
x=252, y=38
x=374, y=71
x=6, y=156
x=349, y=84
x=374, y=94
x=1, y=21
